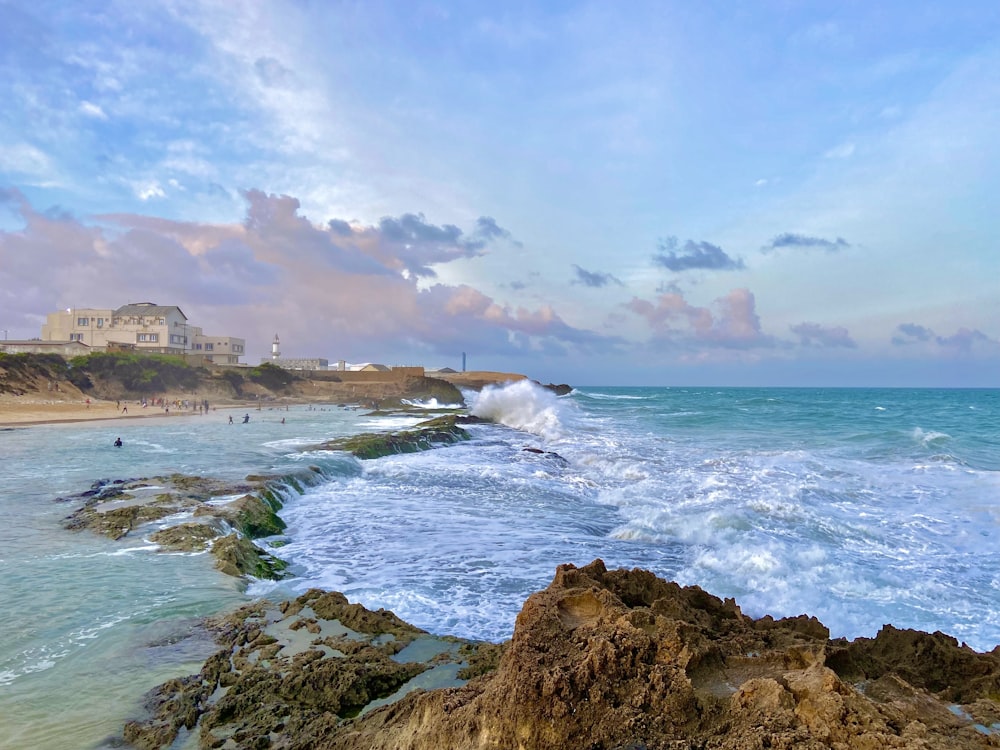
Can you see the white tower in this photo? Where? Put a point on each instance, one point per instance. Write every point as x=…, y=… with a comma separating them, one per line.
x=274, y=348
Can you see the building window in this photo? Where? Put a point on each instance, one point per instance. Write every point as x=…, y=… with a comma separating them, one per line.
x=76, y=337
x=100, y=322
x=149, y=337
x=198, y=347
x=83, y=322
x=175, y=339
x=209, y=347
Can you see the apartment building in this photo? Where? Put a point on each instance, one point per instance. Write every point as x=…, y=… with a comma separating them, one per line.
x=142, y=326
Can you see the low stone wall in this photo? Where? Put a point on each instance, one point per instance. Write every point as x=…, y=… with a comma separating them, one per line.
x=395, y=375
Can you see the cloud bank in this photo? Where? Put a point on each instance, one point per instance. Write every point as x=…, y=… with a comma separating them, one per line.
x=339, y=291
x=730, y=322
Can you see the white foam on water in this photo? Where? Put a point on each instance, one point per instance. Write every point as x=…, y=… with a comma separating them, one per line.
x=131, y=550
x=522, y=405
x=431, y=403
x=393, y=422
x=614, y=396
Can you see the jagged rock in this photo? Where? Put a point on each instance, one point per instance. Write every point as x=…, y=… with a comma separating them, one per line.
x=614, y=659
x=600, y=659
x=561, y=389
x=545, y=454
x=273, y=684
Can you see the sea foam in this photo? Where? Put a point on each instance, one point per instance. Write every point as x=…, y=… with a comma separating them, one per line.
x=523, y=405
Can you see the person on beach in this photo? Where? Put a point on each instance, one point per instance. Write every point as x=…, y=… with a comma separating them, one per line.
x=246, y=418
x=118, y=442
x=125, y=409
x=230, y=419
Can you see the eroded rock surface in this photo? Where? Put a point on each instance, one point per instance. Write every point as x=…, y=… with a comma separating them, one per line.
x=227, y=516
x=601, y=660
x=291, y=676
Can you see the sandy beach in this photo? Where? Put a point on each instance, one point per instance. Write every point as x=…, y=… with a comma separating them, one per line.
x=22, y=411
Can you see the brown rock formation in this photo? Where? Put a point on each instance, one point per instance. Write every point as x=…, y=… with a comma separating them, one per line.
x=604, y=660
x=622, y=659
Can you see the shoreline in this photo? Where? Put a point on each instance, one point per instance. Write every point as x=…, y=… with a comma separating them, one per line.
x=29, y=414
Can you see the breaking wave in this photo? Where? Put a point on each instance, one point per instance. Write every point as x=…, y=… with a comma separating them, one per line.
x=523, y=405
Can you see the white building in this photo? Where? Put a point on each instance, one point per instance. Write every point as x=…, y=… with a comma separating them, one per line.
x=143, y=326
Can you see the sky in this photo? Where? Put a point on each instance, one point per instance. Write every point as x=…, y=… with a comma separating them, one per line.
x=637, y=193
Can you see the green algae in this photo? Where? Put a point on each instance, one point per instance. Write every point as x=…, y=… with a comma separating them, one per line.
x=238, y=556
x=433, y=433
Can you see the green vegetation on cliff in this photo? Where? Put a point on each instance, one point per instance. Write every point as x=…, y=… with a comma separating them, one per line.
x=136, y=373
x=272, y=377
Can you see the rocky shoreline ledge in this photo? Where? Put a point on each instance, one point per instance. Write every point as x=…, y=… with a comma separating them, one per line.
x=600, y=659
x=226, y=516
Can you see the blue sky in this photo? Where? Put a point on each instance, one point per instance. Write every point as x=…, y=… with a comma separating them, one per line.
x=663, y=193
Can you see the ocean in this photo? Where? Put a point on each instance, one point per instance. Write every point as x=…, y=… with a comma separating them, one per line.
x=859, y=506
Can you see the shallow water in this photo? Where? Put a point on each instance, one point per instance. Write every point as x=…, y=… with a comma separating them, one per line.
x=90, y=624
x=858, y=506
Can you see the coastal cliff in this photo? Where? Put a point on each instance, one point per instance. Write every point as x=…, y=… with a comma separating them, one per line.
x=133, y=377
x=600, y=659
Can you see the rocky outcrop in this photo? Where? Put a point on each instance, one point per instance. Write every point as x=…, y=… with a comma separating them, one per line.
x=600, y=659
x=237, y=556
x=289, y=676
x=433, y=433
x=560, y=389
x=118, y=508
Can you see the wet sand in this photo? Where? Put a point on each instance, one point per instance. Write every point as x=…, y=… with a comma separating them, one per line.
x=22, y=411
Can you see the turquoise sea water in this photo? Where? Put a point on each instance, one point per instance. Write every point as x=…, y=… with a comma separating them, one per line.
x=859, y=506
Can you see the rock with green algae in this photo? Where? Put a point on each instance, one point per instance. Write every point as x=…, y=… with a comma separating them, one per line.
x=118, y=522
x=185, y=537
x=253, y=516
x=238, y=556
x=432, y=433
x=118, y=508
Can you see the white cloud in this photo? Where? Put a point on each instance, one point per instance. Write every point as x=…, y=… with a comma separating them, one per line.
x=148, y=190
x=25, y=159
x=93, y=110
